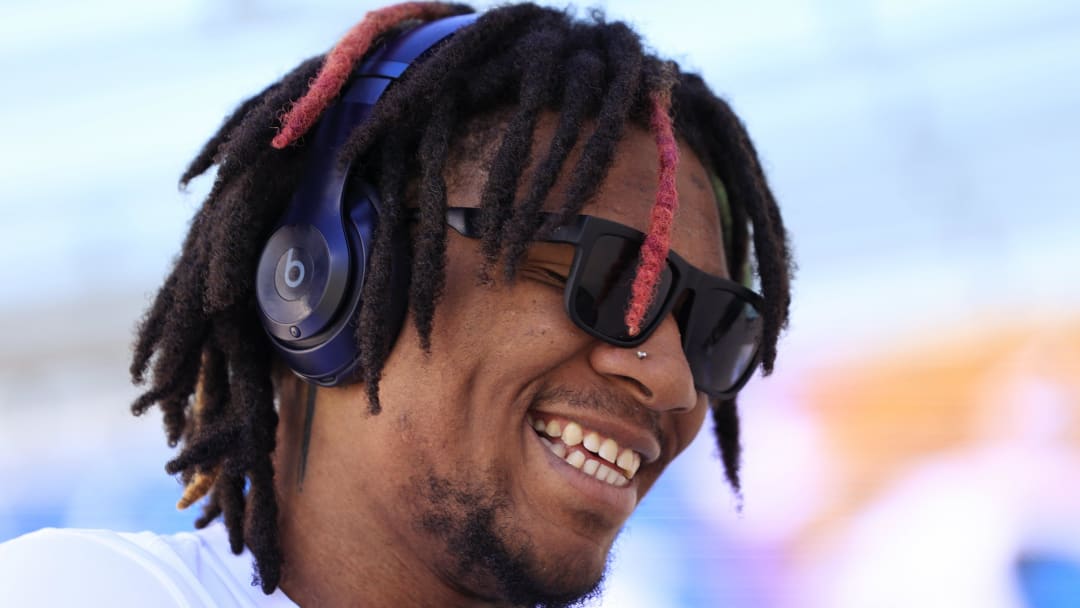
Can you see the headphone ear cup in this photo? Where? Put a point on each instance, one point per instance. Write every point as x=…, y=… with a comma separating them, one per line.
x=307, y=292
x=329, y=355
x=311, y=273
x=298, y=284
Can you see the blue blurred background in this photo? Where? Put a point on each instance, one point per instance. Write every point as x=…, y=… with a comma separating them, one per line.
x=919, y=443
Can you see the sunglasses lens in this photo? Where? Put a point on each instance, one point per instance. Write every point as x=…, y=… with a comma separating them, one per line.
x=721, y=330
x=722, y=337
x=602, y=289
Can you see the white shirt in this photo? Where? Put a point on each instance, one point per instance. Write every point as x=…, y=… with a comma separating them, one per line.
x=99, y=568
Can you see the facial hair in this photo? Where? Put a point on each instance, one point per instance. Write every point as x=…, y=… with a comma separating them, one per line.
x=490, y=557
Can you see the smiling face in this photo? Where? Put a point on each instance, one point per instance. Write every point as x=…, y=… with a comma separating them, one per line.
x=506, y=461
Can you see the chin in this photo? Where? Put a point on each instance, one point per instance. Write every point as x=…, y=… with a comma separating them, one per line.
x=574, y=580
x=488, y=552
x=555, y=565
x=568, y=581
x=529, y=575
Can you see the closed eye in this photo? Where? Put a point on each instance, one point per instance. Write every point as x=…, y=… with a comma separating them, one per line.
x=549, y=263
x=545, y=275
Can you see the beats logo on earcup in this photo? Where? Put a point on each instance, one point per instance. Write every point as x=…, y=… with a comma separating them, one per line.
x=305, y=293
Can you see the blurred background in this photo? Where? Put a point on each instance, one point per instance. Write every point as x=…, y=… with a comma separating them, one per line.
x=919, y=443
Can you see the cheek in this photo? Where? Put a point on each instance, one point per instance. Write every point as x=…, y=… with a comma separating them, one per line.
x=520, y=327
x=492, y=341
x=680, y=431
x=688, y=425
x=527, y=333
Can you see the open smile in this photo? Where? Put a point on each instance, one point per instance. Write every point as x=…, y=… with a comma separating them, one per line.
x=587, y=450
x=590, y=463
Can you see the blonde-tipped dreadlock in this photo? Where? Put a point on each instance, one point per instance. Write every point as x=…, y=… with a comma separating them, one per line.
x=200, y=483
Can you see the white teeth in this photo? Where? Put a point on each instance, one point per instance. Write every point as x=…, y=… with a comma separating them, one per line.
x=576, y=459
x=628, y=461
x=594, y=468
x=556, y=447
x=571, y=435
x=614, y=476
x=553, y=429
x=611, y=476
x=609, y=450
x=559, y=449
x=592, y=442
x=602, y=472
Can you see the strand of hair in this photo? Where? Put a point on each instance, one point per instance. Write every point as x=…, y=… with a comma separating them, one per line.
x=654, y=250
x=341, y=60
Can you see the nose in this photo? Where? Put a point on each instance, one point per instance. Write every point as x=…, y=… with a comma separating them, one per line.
x=654, y=372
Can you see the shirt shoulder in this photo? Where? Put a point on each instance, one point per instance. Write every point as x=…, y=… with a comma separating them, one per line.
x=90, y=568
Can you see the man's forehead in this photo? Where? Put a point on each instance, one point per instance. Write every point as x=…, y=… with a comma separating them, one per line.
x=629, y=194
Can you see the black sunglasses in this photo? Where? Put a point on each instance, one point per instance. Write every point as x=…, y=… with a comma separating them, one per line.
x=719, y=319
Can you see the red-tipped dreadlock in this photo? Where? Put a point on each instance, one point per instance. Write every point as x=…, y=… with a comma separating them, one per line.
x=342, y=59
x=654, y=250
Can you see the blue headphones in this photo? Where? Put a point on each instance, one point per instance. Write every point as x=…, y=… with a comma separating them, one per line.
x=311, y=271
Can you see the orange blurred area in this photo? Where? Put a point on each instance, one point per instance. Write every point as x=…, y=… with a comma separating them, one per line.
x=993, y=383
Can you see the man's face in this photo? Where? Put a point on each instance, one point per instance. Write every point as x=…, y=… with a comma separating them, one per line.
x=455, y=465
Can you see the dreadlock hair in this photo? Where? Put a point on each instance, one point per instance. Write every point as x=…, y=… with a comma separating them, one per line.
x=212, y=374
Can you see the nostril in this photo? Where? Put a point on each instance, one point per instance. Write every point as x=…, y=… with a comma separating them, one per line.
x=644, y=390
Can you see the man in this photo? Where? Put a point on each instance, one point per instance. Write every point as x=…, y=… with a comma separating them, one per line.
x=433, y=351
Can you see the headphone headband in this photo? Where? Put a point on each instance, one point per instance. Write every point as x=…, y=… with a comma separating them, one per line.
x=311, y=271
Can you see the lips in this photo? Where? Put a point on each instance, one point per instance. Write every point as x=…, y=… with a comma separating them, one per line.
x=585, y=449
